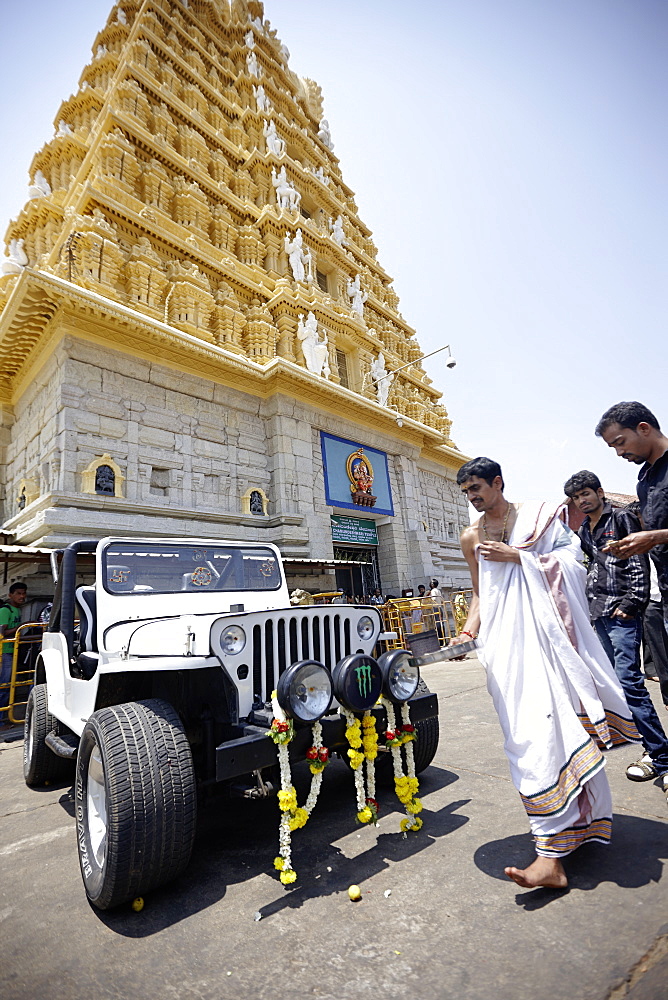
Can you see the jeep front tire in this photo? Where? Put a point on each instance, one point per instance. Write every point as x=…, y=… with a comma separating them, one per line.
x=135, y=801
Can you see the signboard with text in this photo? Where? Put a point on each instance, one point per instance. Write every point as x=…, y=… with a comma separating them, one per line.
x=355, y=530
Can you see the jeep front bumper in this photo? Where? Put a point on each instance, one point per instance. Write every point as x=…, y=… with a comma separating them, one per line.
x=255, y=750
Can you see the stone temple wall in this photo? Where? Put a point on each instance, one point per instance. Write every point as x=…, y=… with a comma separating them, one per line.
x=190, y=450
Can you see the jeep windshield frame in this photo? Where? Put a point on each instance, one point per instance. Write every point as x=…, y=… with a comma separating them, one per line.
x=142, y=568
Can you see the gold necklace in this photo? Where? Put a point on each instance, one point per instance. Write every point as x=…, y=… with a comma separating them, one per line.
x=504, y=537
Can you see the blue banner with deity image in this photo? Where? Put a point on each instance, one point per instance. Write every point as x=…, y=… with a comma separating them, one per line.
x=356, y=477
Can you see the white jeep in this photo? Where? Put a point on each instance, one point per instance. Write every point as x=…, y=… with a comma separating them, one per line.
x=155, y=681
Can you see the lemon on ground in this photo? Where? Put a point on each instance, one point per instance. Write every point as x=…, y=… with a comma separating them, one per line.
x=138, y=904
x=355, y=893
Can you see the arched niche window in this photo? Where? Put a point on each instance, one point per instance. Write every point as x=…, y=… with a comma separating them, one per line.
x=254, y=501
x=103, y=477
x=28, y=491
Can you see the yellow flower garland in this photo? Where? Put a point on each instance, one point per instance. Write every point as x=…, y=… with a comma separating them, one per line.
x=363, y=742
x=406, y=786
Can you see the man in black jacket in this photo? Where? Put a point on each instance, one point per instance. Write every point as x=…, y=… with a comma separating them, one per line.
x=618, y=592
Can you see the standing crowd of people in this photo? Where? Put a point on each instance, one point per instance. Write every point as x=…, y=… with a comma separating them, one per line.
x=561, y=643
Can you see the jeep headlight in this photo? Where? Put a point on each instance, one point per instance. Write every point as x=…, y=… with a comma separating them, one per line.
x=357, y=682
x=233, y=639
x=400, y=679
x=304, y=690
x=365, y=628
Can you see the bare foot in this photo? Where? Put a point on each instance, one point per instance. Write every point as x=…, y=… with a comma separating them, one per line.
x=548, y=872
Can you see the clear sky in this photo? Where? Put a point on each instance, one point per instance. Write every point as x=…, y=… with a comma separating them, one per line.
x=510, y=157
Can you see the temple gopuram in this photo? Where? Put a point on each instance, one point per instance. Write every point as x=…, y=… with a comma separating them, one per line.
x=197, y=337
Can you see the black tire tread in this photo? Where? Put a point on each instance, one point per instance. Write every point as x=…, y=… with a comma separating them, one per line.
x=151, y=798
x=45, y=766
x=428, y=732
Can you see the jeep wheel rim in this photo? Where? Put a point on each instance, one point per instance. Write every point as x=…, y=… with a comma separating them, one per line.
x=97, y=806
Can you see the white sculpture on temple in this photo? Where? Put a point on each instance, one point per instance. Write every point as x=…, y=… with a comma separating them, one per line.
x=325, y=135
x=275, y=144
x=301, y=260
x=249, y=39
x=257, y=22
x=261, y=99
x=16, y=258
x=315, y=350
x=338, y=234
x=286, y=195
x=121, y=16
x=40, y=187
x=382, y=379
x=320, y=174
x=252, y=65
x=357, y=296
x=64, y=128
x=285, y=52
x=100, y=51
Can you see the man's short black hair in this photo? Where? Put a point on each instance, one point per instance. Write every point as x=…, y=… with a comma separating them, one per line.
x=18, y=586
x=583, y=480
x=628, y=414
x=483, y=468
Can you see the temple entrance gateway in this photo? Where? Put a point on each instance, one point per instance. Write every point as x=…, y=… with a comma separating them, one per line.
x=360, y=576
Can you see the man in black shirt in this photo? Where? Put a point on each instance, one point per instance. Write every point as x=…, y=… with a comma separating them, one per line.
x=618, y=592
x=634, y=432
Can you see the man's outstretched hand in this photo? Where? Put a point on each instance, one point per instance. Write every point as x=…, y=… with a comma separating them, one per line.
x=633, y=545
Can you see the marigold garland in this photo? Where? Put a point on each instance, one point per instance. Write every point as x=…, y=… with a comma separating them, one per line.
x=405, y=785
x=293, y=816
x=363, y=740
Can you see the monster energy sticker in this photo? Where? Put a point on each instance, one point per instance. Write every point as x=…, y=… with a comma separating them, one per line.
x=363, y=674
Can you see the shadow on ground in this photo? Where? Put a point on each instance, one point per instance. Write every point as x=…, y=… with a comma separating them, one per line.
x=632, y=859
x=237, y=840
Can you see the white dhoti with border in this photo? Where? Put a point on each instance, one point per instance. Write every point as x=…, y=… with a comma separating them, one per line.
x=555, y=691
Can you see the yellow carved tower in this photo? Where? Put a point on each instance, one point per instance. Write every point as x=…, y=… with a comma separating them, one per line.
x=189, y=298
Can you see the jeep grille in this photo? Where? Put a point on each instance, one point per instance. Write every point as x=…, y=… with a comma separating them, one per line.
x=280, y=641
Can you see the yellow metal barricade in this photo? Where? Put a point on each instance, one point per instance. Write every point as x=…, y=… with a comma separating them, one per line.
x=406, y=616
x=26, y=646
x=458, y=607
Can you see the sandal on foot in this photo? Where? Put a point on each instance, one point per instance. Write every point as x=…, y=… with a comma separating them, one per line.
x=641, y=770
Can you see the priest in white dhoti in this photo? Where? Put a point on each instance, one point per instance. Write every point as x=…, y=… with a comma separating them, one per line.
x=556, y=694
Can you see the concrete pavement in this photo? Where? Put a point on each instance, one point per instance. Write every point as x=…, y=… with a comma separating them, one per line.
x=451, y=926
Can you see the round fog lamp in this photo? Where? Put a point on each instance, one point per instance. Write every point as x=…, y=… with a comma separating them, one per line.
x=357, y=682
x=365, y=628
x=304, y=690
x=400, y=679
x=233, y=639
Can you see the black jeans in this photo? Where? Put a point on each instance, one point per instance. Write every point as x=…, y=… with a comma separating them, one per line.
x=656, y=638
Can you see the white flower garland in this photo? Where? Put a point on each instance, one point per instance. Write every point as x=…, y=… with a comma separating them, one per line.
x=293, y=816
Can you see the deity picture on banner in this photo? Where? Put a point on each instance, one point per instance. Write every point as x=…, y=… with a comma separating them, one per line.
x=360, y=473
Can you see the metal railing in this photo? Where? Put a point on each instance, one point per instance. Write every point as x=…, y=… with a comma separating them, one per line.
x=408, y=616
x=26, y=645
